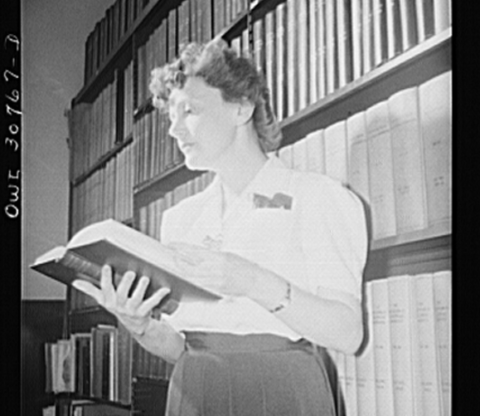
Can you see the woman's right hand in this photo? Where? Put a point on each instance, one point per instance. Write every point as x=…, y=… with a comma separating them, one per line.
x=133, y=312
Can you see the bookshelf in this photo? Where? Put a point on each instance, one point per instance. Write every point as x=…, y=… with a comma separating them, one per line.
x=138, y=172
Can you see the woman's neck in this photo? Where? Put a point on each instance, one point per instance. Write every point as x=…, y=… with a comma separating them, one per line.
x=242, y=163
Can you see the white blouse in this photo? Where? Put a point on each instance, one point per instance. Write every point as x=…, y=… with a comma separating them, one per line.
x=314, y=236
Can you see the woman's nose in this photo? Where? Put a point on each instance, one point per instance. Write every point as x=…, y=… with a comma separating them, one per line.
x=177, y=129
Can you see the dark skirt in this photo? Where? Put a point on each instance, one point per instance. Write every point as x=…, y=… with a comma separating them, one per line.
x=249, y=375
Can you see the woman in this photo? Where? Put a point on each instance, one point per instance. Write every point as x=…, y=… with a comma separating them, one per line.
x=286, y=249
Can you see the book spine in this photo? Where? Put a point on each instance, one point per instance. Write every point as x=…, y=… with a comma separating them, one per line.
x=394, y=33
x=281, y=59
x=365, y=363
x=408, y=20
x=407, y=161
x=356, y=24
x=315, y=151
x=343, y=42
x=441, y=15
x=313, y=76
x=379, y=32
x=292, y=52
x=259, y=44
x=367, y=35
x=436, y=123
x=429, y=363
x=270, y=68
x=442, y=291
x=322, y=49
x=357, y=156
x=404, y=350
x=382, y=349
x=330, y=47
x=351, y=392
x=425, y=19
x=380, y=166
x=299, y=150
x=302, y=46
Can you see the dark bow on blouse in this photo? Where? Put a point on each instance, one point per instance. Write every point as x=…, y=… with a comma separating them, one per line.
x=279, y=200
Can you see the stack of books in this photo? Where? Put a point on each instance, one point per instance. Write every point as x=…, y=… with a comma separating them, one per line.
x=94, y=364
x=404, y=366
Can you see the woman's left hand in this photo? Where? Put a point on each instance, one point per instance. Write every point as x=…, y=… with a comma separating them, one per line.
x=221, y=272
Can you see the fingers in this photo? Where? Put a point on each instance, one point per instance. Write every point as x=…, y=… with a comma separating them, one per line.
x=152, y=301
x=106, y=285
x=118, y=301
x=124, y=287
x=139, y=292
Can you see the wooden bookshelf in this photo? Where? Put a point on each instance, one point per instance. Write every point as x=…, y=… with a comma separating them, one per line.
x=103, y=159
x=76, y=400
x=81, y=320
x=123, y=49
x=415, y=257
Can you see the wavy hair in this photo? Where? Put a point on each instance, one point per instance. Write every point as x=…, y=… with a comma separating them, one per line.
x=235, y=76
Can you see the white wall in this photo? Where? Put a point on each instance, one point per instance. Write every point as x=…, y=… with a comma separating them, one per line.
x=53, y=38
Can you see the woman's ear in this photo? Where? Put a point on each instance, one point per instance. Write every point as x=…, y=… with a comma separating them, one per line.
x=245, y=111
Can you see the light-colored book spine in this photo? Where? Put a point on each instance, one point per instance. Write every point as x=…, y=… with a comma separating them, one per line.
x=394, y=30
x=380, y=166
x=436, y=122
x=357, y=18
x=351, y=385
x=154, y=146
x=270, y=56
x=442, y=295
x=408, y=165
x=365, y=363
x=292, y=56
x=335, y=137
x=378, y=39
x=342, y=42
x=113, y=112
x=280, y=59
x=404, y=347
x=106, y=116
x=357, y=155
x=302, y=51
x=321, y=49
x=313, y=28
x=331, y=56
x=315, y=151
x=258, y=44
x=408, y=24
x=425, y=19
x=429, y=363
x=382, y=346
x=367, y=35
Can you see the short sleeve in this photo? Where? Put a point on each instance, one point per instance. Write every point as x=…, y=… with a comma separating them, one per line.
x=334, y=239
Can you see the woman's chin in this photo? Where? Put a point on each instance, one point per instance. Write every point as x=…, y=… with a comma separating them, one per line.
x=193, y=164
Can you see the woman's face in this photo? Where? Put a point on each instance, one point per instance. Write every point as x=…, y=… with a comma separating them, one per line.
x=203, y=124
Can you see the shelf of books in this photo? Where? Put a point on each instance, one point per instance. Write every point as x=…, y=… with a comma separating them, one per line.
x=363, y=93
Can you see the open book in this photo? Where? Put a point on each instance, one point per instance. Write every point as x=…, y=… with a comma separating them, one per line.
x=113, y=243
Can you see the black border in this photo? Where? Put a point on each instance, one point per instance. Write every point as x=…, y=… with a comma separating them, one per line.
x=10, y=228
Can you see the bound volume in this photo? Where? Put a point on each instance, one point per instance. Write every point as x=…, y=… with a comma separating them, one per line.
x=113, y=243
